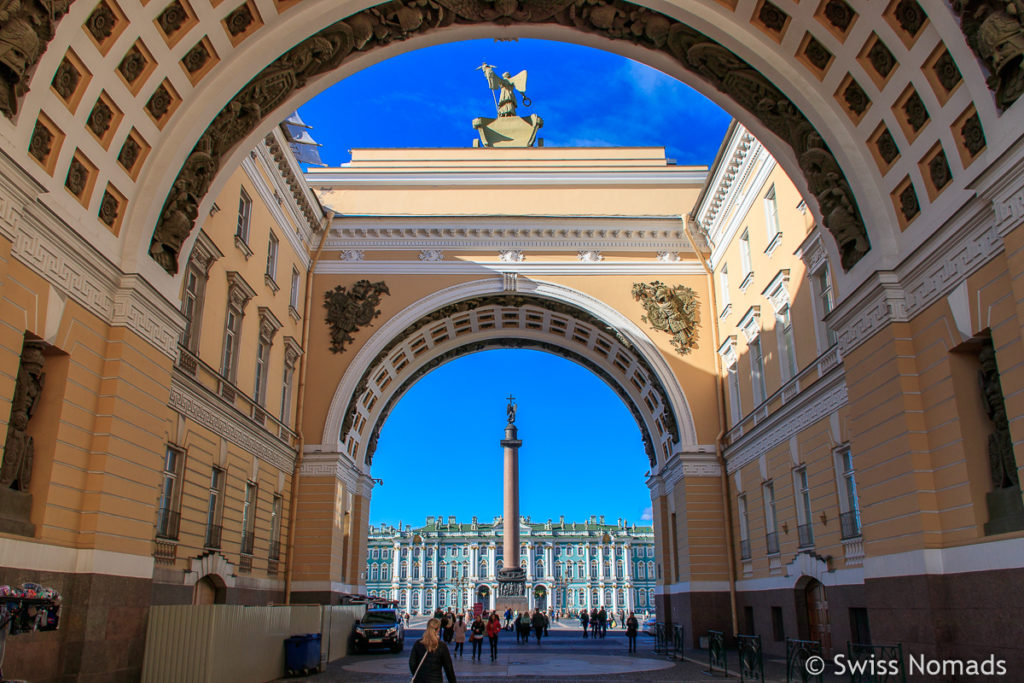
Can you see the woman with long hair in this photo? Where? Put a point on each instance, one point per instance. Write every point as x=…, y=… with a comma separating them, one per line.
x=430, y=661
x=493, y=629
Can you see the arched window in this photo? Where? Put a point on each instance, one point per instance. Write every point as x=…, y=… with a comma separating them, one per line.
x=415, y=600
x=607, y=597
x=540, y=567
x=594, y=598
x=483, y=568
x=618, y=569
x=405, y=599
x=374, y=569
x=427, y=599
x=498, y=565
x=650, y=597
x=440, y=598
x=622, y=597
x=593, y=569
x=404, y=572
x=443, y=574
x=559, y=570
x=650, y=570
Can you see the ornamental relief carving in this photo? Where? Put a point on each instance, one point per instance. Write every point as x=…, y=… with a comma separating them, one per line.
x=26, y=28
x=613, y=19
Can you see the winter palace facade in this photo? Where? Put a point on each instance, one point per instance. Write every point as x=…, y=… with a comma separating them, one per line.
x=569, y=565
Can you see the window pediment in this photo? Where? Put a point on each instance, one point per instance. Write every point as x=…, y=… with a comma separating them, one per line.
x=750, y=324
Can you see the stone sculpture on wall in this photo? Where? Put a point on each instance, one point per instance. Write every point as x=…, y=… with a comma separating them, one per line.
x=671, y=309
x=614, y=19
x=349, y=310
x=995, y=31
x=16, y=470
x=26, y=28
x=1000, y=445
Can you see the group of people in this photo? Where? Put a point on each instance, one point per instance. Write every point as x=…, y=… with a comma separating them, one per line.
x=431, y=659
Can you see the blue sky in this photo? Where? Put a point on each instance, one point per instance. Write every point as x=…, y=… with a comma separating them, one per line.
x=587, y=97
x=438, y=452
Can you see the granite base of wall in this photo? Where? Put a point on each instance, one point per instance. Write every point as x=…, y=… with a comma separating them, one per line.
x=102, y=630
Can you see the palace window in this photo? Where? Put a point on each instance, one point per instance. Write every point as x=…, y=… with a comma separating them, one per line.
x=803, y=507
x=849, y=506
x=214, y=508
x=593, y=569
x=404, y=570
x=735, y=400
x=771, y=213
x=650, y=570
x=415, y=570
x=293, y=296
x=244, y=217
x=770, y=521
x=415, y=600
x=787, y=349
x=169, y=514
x=275, y=528
x=239, y=294
x=618, y=569
x=741, y=503
x=248, y=517
x=822, y=285
x=443, y=574
x=269, y=325
x=607, y=598
x=757, y=371
x=428, y=571
x=745, y=255
x=272, y=249
x=374, y=572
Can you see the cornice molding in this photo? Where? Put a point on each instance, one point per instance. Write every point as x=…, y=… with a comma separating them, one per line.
x=818, y=401
x=197, y=403
x=777, y=291
x=346, y=179
x=750, y=323
x=50, y=248
x=728, y=351
x=542, y=269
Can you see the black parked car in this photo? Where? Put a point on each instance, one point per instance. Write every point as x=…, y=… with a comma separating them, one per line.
x=379, y=628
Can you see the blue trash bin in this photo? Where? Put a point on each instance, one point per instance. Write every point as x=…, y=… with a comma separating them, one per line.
x=302, y=654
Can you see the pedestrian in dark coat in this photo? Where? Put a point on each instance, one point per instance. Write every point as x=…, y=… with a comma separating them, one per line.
x=430, y=661
x=631, y=628
x=584, y=621
x=538, y=624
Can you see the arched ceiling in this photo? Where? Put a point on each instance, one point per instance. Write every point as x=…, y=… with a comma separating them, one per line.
x=125, y=110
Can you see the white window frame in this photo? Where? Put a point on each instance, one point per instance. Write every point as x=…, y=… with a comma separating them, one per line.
x=846, y=481
x=787, y=345
x=757, y=379
x=802, y=494
x=273, y=248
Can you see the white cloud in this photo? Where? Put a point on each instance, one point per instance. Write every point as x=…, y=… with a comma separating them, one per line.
x=648, y=514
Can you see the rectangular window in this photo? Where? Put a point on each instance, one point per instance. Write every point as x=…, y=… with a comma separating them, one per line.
x=169, y=514
x=771, y=527
x=745, y=253
x=259, y=393
x=735, y=402
x=826, y=302
x=787, y=349
x=276, y=509
x=215, y=508
x=232, y=326
x=248, y=517
x=771, y=213
x=757, y=372
x=244, y=215
x=741, y=503
x=286, y=393
x=293, y=297
x=849, y=520
x=723, y=285
x=192, y=306
x=803, y=507
x=272, y=257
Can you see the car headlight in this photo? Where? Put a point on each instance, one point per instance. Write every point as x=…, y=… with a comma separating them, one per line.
x=359, y=630
x=392, y=631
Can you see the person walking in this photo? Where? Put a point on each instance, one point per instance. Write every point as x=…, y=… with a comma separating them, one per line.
x=476, y=638
x=538, y=624
x=631, y=628
x=584, y=621
x=460, y=635
x=448, y=626
x=523, y=626
x=493, y=629
x=602, y=621
x=430, y=661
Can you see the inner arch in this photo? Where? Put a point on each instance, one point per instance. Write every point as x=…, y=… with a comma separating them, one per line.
x=472, y=317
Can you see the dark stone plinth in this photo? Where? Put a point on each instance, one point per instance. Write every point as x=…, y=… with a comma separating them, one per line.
x=1005, y=511
x=15, y=512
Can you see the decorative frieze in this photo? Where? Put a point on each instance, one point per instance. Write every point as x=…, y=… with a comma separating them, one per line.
x=818, y=401
x=195, y=402
x=511, y=256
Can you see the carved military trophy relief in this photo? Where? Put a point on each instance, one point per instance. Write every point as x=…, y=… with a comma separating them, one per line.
x=16, y=468
x=1005, y=507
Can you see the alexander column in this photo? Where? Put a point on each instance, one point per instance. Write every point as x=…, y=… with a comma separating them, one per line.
x=511, y=578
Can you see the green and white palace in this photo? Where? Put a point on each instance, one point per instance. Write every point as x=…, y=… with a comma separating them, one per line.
x=569, y=565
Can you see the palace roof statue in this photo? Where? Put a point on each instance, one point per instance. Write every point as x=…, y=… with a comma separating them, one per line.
x=508, y=129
